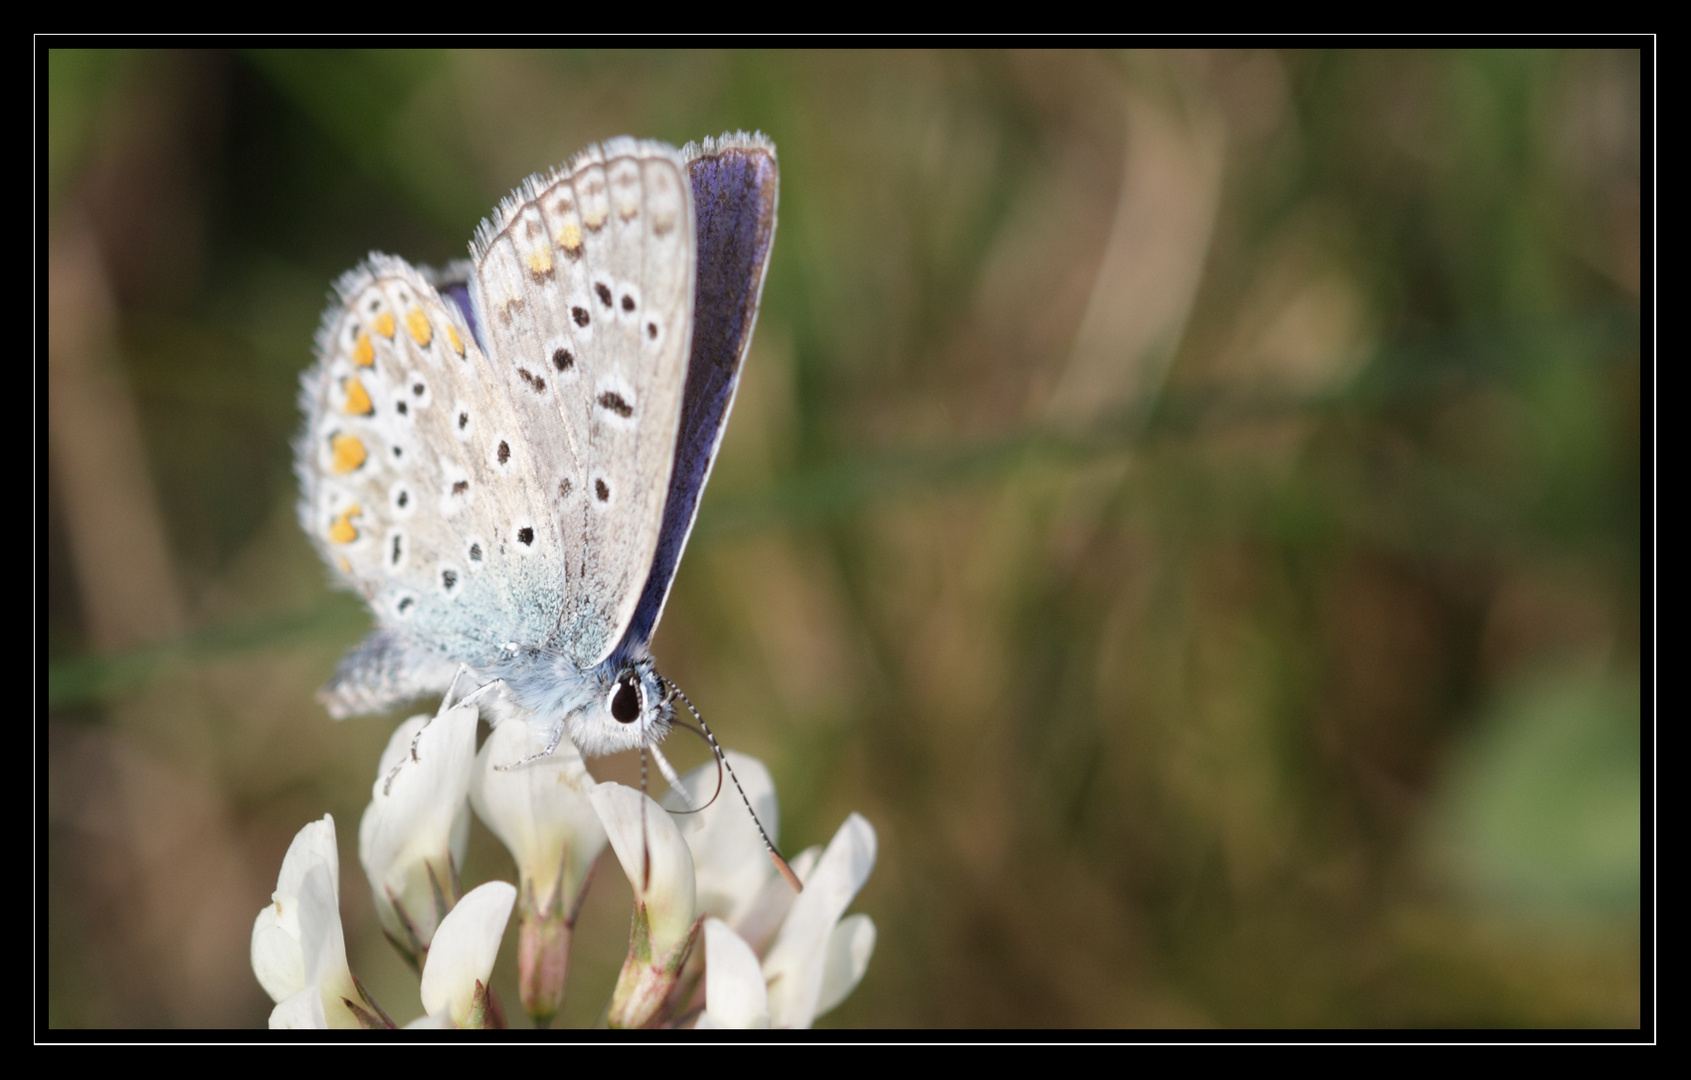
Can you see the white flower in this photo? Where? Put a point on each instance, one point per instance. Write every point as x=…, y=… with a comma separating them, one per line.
x=819, y=958
x=735, y=996
x=812, y=958
x=659, y=867
x=412, y=838
x=541, y=812
x=458, y=973
x=298, y=951
x=736, y=880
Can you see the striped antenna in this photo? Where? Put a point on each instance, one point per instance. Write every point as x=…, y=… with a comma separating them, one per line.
x=722, y=760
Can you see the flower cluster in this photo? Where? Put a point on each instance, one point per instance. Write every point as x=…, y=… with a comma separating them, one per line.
x=769, y=957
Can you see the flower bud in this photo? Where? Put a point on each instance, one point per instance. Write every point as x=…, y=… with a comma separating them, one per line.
x=298, y=949
x=541, y=812
x=659, y=866
x=458, y=976
x=412, y=837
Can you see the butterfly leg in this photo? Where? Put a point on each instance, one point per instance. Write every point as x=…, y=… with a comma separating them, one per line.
x=672, y=779
x=553, y=741
x=452, y=700
x=463, y=676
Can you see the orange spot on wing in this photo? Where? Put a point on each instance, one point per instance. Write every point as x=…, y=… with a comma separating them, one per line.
x=349, y=452
x=453, y=338
x=539, y=262
x=384, y=324
x=418, y=324
x=569, y=237
x=343, y=531
x=357, y=398
x=364, y=353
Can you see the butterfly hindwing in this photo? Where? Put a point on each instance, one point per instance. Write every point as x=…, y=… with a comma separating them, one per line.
x=401, y=489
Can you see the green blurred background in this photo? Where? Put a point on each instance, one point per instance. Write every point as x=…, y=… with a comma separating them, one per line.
x=1188, y=502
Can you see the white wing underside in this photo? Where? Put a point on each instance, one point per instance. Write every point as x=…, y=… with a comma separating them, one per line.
x=484, y=502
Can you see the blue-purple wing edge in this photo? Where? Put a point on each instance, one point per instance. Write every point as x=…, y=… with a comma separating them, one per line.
x=735, y=184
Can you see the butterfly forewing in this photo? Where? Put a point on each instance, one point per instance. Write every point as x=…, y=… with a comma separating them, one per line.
x=583, y=282
x=734, y=181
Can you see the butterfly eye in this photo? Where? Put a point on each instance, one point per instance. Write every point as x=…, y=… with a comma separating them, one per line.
x=625, y=703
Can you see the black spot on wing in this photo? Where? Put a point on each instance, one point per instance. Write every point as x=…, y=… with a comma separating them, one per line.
x=615, y=402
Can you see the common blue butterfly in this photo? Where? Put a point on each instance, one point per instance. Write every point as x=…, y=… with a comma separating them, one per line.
x=505, y=458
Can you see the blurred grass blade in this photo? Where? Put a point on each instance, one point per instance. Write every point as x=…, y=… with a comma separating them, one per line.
x=95, y=678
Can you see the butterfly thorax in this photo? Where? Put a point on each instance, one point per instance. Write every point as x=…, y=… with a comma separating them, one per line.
x=621, y=704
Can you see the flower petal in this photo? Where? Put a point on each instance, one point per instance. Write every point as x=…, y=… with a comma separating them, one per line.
x=849, y=948
x=794, y=966
x=296, y=939
x=735, y=996
x=276, y=956
x=301, y=1010
x=464, y=949
x=540, y=811
x=643, y=836
x=323, y=948
x=313, y=845
x=730, y=863
x=416, y=821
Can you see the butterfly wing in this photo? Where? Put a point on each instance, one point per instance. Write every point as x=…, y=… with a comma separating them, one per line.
x=582, y=283
x=411, y=493
x=734, y=182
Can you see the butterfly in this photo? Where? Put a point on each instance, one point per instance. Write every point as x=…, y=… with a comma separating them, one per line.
x=505, y=457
